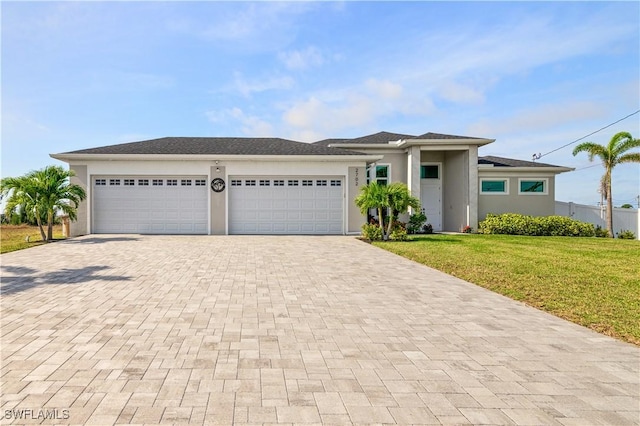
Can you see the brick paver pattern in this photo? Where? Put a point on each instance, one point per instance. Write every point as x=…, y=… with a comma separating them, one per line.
x=218, y=330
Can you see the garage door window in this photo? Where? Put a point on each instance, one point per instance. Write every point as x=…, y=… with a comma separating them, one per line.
x=336, y=183
x=101, y=182
x=293, y=183
x=129, y=182
x=201, y=182
x=185, y=182
x=265, y=182
x=236, y=182
x=114, y=182
x=321, y=182
x=278, y=183
x=143, y=182
x=157, y=182
x=250, y=182
x=172, y=182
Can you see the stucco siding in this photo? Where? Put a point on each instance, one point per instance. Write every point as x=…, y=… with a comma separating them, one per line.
x=80, y=226
x=356, y=179
x=513, y=202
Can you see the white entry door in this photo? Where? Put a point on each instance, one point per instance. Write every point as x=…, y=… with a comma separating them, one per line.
x=286, y=205
x=431, y=193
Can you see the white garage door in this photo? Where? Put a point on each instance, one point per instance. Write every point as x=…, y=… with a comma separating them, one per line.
x=149, y=205
x=285, y=205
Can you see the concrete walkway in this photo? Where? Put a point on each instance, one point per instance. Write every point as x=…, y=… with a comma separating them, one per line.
x=183, y=329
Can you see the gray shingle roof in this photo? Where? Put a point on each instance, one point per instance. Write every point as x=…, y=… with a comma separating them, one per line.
x=386, y=137
x=430, y=135
x=216, y=146
x=510, y=162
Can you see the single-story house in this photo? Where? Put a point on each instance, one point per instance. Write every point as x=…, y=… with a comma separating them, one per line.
x=226, y=185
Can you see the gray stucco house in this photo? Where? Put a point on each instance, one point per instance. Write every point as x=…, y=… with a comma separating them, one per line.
x=218, y=186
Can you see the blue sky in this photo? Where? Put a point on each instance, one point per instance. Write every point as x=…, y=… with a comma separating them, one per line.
x=532, y=75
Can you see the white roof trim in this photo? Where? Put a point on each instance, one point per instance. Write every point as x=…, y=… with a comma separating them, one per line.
x=209, y=157
x=482, y=168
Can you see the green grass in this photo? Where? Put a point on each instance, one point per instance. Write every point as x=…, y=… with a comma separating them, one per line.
x=13, y=237
x=594, y=282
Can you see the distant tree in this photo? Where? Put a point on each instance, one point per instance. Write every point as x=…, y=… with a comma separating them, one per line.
x=42, y=193
x=626, y=206
x=612, y=154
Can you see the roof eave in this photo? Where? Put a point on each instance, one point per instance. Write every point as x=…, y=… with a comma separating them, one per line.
x=456, y=141
x=555, y=169
x=70, y=157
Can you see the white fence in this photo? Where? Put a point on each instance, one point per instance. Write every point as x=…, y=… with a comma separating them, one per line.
x=623, y=219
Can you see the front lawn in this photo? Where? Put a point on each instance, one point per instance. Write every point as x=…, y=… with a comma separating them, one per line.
x=13, y=237
x=594, y=282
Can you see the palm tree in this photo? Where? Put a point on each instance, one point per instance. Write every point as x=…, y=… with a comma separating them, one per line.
x=615, y=152
x=395, y=197
x=400, y=199
x=373, y=196
x=41, y=194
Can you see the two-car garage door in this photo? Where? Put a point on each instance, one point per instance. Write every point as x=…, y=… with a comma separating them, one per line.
x=255, y=205
x=285, y=205
x=150, y=205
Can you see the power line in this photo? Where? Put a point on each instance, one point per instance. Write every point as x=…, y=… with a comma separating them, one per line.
x=539, y=156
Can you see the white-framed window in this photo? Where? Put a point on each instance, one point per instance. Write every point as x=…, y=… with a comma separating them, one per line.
x=429, y=171
x=265, y=182
x=201, y=182
x=185, y=182
x=336, y=183
x=380, y=172
x=321, y=182
x=307, y=182
x=236, y=182
x=172, y=182
x=494, y=186
x=293, y=182
x=129, y=182
x=143, y=182
x=101, y=182
x=157, y=182
x=278, y=182
x=533, y=186
x=114, y=182
x=250, y=182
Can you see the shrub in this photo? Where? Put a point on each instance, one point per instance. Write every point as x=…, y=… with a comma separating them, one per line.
x=427, y=228
x=600, y=232
x=416, y=222
x=371, y=232
x=399, y=234
x=626, y=235
x=518, y=224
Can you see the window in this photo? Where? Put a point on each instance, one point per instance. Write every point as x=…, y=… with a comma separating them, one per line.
x=114, y=182
x=143, y=182
x=307, y=183
x=265, y=182
x=250, y=182
x=382, y=173
x=430, y=171
x=201, y=182
x=321, y=182
x=293, y=183
x=185, y=182
x=236, y=182
x=101, y=182
x=278, y=183
x=533, y=186
x=157, y=182
x=172, y=182
x=129, y=182
x=494, y=186
x=336, y=183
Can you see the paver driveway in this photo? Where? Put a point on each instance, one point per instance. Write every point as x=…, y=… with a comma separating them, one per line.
x=173, y=329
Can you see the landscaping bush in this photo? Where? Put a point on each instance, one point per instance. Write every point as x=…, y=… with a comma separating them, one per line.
x=518, y=224
x=371, y=232
x=600, y=232
x=399, y=234
x=427, y=228
x=626, y=235
x=416, y=222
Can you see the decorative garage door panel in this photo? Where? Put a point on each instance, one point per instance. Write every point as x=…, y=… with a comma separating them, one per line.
x=150, y=205
x=286, y=205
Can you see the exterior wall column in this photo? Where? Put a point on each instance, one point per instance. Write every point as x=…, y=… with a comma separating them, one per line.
x=413, y=171
x=82, y=225
x=472, y=205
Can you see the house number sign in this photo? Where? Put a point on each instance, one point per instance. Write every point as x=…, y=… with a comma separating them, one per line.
x=217, y=185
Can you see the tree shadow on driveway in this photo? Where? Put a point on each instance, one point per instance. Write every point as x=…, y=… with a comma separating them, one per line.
x=28, y=278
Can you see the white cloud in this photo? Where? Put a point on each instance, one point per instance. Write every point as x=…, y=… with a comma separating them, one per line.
x=247, y=88
x=250, y=125
x=302, y=59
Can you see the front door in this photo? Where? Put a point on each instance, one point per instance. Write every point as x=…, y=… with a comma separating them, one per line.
x=431, y=193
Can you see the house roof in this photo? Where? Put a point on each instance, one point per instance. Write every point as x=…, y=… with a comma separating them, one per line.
x=510, y=162
x=216, y=146
x=386, y=137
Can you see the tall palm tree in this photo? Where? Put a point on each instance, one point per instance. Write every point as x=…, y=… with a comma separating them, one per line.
x=42, y=193
x=615, y=152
